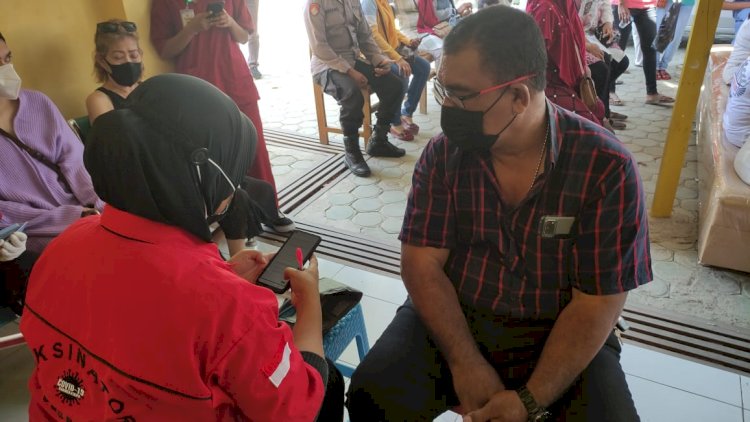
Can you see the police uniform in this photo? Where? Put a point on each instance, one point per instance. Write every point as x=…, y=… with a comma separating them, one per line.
x=339, y=36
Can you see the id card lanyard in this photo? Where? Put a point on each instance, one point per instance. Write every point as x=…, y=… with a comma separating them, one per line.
x=187, y=14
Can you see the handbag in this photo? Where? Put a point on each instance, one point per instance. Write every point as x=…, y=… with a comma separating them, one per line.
x=586, y=87
x=668, y=25
x=336, y=300
x=442, y=29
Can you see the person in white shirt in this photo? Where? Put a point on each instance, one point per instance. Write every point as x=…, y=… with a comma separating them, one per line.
x=740, y=53
x=737, y=114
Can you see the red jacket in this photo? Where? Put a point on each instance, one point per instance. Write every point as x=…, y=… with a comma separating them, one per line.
x=129, y=319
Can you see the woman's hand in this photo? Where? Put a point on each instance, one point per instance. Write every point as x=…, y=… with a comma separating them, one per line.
x=464, y=9
x=199, y=23
x=304, y=285
x=594, y=50
x=222, y=20
x=624, y=13
x=12, y=247
x=249, y=263
x=607, y=31
x=414, y=43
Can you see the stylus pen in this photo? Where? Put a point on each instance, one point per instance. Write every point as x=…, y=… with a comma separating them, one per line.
x=299, y=258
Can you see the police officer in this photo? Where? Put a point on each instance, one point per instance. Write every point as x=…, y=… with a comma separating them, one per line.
x=339, y=36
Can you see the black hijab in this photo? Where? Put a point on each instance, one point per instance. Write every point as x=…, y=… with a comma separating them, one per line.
x=142, y=158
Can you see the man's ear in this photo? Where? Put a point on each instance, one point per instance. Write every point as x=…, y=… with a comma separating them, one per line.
x=521, y=97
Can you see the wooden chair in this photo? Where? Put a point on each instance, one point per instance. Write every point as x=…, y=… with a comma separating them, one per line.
x=324, y=128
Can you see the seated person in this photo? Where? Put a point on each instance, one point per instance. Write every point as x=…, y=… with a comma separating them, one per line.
x=15, y=267
x=740, y=52
x=505, y=321
x=742, y=163
x=431, y=13
x=399, y=48
x=172, y=332
x=118, y=65
x=42, y=178
x=339, y=35
x=737, y=114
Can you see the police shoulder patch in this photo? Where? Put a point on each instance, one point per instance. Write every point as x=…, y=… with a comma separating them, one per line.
x=314, y=8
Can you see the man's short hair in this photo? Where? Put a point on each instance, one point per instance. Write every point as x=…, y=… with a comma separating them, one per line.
x=509, y=42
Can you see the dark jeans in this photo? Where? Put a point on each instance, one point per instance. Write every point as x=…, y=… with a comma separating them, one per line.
x=349, y=96
x=332, y=409
x=645, y=24
x=14, y=278
x=420, y=71
x=600, y=73
x=616, y=69
x=404, y=376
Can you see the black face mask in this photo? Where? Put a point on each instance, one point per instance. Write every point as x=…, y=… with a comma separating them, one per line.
x=126, y=74
x=465, y=129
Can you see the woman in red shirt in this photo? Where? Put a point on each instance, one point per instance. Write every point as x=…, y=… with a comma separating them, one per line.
x=134, y=315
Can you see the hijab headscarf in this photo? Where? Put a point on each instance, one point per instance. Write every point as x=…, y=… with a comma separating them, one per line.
x=151, y=158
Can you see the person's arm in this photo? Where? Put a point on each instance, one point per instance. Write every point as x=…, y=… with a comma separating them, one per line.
x=97, y=104
x=367, y=44
x=167, y=34
x=308, y=330
x=605, y=10
x=427, y=236
x=735, y=5
x=42, y=222
x=316, y=34
x=224, y=20
x=370, y=12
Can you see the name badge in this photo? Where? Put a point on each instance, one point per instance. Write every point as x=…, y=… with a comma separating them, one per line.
x=186, y=15
x=553, y=226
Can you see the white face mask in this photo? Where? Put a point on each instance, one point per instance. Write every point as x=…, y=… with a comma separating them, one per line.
x=10, y=82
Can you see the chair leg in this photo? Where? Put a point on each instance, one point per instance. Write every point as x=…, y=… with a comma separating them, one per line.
x=320, y=111
x=367, y=111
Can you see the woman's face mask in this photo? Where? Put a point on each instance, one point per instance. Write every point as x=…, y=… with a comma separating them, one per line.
x=126, y=74
x=10, y=82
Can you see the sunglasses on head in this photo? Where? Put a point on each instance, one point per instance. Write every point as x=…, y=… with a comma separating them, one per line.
x=111, y=27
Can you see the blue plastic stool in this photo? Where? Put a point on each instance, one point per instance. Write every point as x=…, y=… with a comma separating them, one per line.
x=351, y=326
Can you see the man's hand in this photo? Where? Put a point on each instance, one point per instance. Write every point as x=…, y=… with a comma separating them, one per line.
x=199, y=23
x=504, y=406
x=304, y=285
x=383, y=68
x=475, y=383
x=607, y=31
x=358, y=77
x=594, y=50
x=624, y=13
x=12, y=247
x=221, y=20
x=403, y=68
x=464, y=9
x=248, y=264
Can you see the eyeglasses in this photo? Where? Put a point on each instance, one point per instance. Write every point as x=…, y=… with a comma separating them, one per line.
x=112, y=27
x=442, y=93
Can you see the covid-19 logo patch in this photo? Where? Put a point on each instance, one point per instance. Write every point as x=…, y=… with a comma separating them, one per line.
x=70, y=388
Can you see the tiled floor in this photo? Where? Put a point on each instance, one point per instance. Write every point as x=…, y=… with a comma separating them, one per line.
x=665, y=388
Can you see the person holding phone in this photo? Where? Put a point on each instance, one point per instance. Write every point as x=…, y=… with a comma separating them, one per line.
x=118, y=66
x=172, y=331
x=202, y=38
x=339, y=35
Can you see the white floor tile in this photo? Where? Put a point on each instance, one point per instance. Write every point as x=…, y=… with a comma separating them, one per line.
x=389, y=289
x=448, y=417
x=660, y=403
x=328, y=269
x=745, y=381
x=378, y=314
x=682, y=374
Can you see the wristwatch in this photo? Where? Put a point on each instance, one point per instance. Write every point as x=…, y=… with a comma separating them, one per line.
x=536, y=412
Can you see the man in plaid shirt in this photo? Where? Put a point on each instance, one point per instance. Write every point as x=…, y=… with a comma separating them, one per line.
x=525, y=229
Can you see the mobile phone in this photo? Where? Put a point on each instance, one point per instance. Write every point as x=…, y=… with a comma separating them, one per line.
x=273, y=275
x=6, y=232
x=215, y=8
x=553, y=226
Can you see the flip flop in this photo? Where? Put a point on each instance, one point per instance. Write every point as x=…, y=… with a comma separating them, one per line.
x=618, y=124
x=661, y=100
x=617, y=116
x=615, y=100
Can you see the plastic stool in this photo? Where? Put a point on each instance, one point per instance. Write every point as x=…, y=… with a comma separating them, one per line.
x=351, y=326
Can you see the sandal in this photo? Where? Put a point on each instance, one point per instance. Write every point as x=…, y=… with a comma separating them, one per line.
x=404, y=135
x=412, y=127
x=660, y=100
x=617, y=116
x=617, y=124
x=663, y=75
x=615, y=100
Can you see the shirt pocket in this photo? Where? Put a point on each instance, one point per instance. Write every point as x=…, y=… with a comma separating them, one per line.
x=548, y=260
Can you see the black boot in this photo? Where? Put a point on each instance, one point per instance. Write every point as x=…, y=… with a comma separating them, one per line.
x=353, y=157
x=378, y=146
